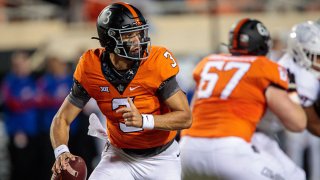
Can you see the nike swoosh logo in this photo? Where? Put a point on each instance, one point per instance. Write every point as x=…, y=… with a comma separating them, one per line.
x=133, y=88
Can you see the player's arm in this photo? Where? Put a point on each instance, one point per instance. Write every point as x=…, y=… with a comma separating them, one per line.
x=60, y=126
x=180, y=115
x=290, y=114
x=313, y=112
x=59, y=132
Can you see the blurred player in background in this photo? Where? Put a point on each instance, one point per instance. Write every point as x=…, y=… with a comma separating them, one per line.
x=303, y=60
x=232, y=94
x=53, y=86
x=135, y=87
x=20, y=116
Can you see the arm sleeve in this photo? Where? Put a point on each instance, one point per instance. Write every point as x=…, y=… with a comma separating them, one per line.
x=166, y=65
x=78, y=95
x=168, y=88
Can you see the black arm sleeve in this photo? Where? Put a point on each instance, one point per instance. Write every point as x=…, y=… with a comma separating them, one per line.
x=168, y=88
x=316, y=106
x=78, y=95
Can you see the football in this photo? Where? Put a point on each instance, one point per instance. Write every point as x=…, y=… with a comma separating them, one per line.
x=76, y=171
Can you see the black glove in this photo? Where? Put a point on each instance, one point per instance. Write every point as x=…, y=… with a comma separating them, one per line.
x=292, y=88
x=292, y=82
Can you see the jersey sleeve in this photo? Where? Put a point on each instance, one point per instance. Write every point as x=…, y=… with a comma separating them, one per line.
x=166, y=64
x=79, y=73
x=275, y=73
x=168, y=88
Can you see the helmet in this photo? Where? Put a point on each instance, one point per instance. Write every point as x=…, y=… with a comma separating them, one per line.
x=119, y=21
x=249, y=37
x=304, y=46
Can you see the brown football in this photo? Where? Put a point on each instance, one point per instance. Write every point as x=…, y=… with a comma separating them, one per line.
x=76, y=171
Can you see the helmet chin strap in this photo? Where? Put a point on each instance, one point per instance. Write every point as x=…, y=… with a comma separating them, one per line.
x=96, y=38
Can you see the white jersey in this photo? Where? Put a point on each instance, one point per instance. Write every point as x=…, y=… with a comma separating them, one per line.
x=296, y=143
x=307, y=84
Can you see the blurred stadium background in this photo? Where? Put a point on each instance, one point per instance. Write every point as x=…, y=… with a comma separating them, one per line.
x=191, y=29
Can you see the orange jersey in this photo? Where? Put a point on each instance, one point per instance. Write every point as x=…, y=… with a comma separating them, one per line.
x=231, y=94
x=142, y=89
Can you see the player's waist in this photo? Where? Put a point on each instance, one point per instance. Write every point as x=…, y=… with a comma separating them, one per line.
x=210, y=143
x=147, y=152
x=236, y=129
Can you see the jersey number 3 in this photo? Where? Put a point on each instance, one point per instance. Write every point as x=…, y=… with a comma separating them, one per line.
x=118, y=102
x=209, y=79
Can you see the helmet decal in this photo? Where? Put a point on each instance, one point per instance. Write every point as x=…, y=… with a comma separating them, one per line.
x=108, y=14
x=262, y=30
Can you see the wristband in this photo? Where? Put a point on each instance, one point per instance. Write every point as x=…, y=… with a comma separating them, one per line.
x=147, y=121
x=294, y=97
x=60, y=149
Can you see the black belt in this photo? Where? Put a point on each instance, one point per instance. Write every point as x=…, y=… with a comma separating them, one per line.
x=149, y=152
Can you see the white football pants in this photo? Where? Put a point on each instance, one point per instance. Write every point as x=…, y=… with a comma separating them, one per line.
x=233, y=158
x=115, y=165
x=297, y=143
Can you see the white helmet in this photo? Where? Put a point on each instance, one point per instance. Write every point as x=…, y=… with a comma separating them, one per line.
x=304, y=46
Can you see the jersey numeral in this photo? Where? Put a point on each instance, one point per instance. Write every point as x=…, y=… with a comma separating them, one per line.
x=168, y=55
x=116, y=103
x=108, y=14
x=209, y=79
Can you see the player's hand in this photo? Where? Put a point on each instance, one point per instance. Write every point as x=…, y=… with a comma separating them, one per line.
x=131, y=115
x=62, y=162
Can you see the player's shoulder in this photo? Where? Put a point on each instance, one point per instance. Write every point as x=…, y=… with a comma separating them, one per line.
x=286, y=60
x=264, y=59
x=91, y=54
x=210, y=57
x=156, y=52
x=158, y=49
x=158, y=56
x=264, y=62
x=89, y=61
x=161, y=61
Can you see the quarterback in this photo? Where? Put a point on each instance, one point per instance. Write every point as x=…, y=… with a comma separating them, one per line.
x=135, y=87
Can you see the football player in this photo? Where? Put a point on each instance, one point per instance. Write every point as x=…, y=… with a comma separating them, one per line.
x=232, y=93
x=135, y=87
x=302, y=58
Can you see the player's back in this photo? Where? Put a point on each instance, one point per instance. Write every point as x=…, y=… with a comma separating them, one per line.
x=230, y=94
